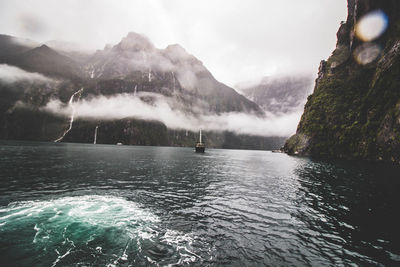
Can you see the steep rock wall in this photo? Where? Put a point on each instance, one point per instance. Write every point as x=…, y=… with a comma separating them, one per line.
x=354, y=111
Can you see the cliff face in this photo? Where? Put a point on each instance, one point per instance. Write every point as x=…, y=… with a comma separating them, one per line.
x=354, y=111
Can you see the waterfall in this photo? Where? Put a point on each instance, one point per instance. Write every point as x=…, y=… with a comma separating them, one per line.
x=149, y=75
x=71, y=120
x=95, y=135
x=173, y=79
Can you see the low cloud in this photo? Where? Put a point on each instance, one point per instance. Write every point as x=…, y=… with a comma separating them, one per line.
x=11, y=74
x=239, y=40
x=163, y=109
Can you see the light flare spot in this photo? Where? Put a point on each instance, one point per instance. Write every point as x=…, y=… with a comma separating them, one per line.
x=367, y=53
x=371, y=26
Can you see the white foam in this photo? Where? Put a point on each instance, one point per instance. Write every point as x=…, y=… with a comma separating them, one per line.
x=60, y=257
x=80, y=213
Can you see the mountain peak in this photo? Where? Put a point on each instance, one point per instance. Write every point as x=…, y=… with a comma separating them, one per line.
x=44, y=47
x=44, y=50
x=135, y=41
x=177, y=53
x=175, y=47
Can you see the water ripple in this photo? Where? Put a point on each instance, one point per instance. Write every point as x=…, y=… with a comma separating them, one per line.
x=69, y=204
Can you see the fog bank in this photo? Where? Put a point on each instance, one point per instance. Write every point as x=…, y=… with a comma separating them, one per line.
x=11, y=74
x=163, y=109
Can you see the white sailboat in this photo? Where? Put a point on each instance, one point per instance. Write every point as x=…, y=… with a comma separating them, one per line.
x=200, y=147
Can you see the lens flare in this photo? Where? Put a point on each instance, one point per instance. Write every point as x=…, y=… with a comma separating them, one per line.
x=371, y=26
x=367, y=53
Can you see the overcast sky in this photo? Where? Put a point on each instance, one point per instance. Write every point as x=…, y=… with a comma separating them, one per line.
x=237, y=40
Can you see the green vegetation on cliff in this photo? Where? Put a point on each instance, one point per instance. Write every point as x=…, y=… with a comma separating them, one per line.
x=354, y=111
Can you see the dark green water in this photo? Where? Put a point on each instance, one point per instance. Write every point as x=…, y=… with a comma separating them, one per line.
x=104, y=205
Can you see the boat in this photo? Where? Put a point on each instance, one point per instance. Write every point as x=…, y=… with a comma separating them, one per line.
x=119, y=144
x=200, y=147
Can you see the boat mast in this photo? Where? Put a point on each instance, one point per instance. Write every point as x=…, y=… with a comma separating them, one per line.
x=200, y=136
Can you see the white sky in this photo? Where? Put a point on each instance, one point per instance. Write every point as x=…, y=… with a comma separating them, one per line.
x=237, y=40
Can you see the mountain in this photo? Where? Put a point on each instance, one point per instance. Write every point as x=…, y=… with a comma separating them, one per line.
x=169, y=71
x=279, y=94
x=354, y=111
x=11, y=45
x=134, y=69
x=71, y=50
x=44, y=60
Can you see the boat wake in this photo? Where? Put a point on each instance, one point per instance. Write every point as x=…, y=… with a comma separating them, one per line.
x=99, y=230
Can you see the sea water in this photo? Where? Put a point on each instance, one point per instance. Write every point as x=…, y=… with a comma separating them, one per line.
x=104, y=205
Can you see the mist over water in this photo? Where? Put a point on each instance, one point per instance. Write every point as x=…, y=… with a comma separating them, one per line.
x=173, y=115
x=132, y=205
x=10, y=74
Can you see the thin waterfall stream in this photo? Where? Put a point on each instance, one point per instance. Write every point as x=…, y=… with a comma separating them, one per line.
x=71, y=120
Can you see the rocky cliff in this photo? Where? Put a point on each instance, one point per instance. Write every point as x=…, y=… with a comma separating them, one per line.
x=354, y=111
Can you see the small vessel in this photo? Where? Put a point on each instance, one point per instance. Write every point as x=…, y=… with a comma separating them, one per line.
x=119, y=144
x=200, y=147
